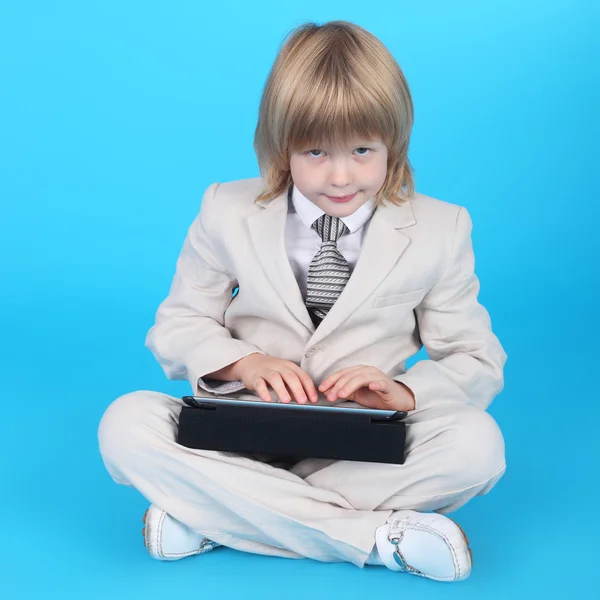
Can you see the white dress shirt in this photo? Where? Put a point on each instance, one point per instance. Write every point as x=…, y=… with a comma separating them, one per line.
x=302, y=242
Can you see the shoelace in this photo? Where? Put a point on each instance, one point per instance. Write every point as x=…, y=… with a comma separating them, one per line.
x=395, y=536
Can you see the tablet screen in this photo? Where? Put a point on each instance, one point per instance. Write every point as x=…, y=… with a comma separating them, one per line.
x=319, y=406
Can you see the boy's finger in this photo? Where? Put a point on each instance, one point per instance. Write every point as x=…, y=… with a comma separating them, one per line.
x=309, y=387
x=356, y=382
x=341, y=388
x=276, y=382
x=327, y=383
x=380, y=386
x=308, y=384
x=333, y=379
x=295, y=386
x=260, y=387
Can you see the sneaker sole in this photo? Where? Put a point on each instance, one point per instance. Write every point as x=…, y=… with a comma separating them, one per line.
x=144, y=528
x=466, y=540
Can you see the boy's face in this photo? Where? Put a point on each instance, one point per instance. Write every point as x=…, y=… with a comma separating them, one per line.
x=340, y=180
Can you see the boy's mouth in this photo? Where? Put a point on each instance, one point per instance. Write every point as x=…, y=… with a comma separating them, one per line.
x=342, y=198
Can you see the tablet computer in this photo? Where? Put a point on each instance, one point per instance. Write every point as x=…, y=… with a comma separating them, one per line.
x=345, y=407
x=344, y=430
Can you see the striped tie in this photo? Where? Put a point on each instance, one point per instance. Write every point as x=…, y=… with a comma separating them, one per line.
x=328, y=272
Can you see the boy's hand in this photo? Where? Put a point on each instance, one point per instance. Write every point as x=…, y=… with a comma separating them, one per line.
x=369, y=387
x=284, y=376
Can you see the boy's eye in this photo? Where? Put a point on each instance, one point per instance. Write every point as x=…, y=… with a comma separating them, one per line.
x=317, y=153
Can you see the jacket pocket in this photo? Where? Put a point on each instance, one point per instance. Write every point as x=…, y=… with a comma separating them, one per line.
x=383, y=301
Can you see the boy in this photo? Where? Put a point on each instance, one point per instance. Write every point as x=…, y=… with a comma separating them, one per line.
x=344, y=272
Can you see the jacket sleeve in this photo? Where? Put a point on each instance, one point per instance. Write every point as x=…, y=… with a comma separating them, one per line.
x=466, y=360
x=189, y=339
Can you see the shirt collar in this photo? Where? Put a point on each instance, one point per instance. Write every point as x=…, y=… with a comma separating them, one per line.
x=309, y=212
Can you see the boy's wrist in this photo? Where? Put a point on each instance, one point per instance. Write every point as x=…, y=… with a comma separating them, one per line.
x=408, y=397
x=232, y=372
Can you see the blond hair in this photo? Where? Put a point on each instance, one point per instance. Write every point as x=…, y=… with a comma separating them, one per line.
x=329, y=83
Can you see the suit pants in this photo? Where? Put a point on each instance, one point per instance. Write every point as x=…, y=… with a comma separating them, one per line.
x=327, y=510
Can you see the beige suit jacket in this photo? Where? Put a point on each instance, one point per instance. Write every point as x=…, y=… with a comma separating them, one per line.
x=414, y=284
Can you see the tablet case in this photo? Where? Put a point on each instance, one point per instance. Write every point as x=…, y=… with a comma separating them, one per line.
x=295, y=434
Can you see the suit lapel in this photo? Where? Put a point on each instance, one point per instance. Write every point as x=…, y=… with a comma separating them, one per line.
x=267, y=231
x=383, y=245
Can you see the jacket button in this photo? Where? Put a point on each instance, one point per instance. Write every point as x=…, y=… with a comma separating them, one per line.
x=312, y=351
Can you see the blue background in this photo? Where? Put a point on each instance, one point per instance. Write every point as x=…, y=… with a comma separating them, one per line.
x=114, y=118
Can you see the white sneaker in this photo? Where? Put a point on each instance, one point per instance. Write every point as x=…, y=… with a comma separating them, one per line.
x=426, y=544
x=166, y=538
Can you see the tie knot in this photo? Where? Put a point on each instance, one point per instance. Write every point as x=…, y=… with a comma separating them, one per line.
x=330, y=228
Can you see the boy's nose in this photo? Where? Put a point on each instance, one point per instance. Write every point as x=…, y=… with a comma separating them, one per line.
x=340, y=179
